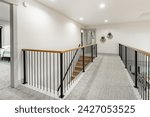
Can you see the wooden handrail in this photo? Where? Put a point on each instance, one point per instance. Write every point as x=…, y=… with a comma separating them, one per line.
x=57, y=51
x=138, y=50
x=37, y=50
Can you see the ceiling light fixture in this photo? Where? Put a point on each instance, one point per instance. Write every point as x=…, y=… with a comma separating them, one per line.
x=106, y=21
x=81, y=19
x=102, y=5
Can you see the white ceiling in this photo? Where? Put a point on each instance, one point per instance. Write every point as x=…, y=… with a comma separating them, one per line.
x=4, y=12
x=116, y=11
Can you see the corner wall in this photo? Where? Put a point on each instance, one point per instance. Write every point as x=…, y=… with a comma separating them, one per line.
x=132, y=34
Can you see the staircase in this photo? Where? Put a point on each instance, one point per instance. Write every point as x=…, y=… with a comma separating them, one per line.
x=79, y=66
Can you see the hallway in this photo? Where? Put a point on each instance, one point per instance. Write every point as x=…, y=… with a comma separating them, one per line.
x=106, y=79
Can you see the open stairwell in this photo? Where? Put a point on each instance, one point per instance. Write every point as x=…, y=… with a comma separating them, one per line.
x=54, y=71
x=79, y=66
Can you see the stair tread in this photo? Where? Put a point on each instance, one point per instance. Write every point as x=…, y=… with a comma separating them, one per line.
x=86, y=56
x=76, y=71
x=79, y=66
x=85, y=59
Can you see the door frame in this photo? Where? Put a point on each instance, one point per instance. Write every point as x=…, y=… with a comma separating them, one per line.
x=13, y=43
x=1, y=37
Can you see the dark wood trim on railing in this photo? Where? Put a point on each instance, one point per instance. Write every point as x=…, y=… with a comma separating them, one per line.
x=136, y=49
x=57, y=51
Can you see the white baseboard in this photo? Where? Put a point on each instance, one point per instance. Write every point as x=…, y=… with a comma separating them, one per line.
x=114, y=54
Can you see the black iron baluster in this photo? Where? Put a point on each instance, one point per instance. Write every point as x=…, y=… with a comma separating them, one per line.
x=148, y=76
x=120, y=51
x=24, y=67
x=135, y=69
x=126, y=57
x=69, y=69
x=143, y=77
x=92, y=53
x=83, y=61
x=61, y=75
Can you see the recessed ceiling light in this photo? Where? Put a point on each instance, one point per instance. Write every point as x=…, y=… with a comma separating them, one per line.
x=102, y=5
x=106, y=21
x=81, y=18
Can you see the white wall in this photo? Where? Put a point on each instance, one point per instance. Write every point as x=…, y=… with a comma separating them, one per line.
x=133, y=34
x=40, y=27
x=6, y=35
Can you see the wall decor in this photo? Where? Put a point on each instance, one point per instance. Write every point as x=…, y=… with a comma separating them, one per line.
x=103, y=39
x=109, y=36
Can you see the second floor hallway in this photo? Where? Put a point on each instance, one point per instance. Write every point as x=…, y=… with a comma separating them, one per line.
x=105, y=79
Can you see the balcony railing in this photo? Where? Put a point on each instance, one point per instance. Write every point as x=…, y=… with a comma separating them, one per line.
x=137, y=62
x=55, y=71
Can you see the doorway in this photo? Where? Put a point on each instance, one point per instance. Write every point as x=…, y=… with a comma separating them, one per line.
x=0, y=37
x=5, y=51
x=88, y=36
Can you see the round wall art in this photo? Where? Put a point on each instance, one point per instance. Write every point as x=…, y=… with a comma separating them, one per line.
x=103, y=39
x=109, y=36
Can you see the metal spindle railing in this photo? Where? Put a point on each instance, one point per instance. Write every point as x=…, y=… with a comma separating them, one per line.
x=138, y=65
x=53, y=71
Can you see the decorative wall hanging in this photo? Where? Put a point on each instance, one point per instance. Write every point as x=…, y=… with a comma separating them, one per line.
x=103, y=39
x=109, y=36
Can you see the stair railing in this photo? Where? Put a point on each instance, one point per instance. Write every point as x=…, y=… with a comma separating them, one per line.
x=52, y=70
x=69, y=67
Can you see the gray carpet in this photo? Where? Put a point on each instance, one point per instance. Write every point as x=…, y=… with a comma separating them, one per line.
x=105, y=80
x=4, y=74
x=19, y=93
